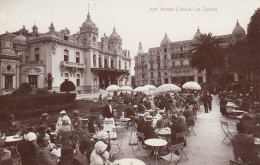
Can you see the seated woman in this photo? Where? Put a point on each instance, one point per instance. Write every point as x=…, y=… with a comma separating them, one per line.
x=94, y=126
x=66, y=126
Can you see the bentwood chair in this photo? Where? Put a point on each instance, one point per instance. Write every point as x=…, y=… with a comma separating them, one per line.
x=118, y=142
x=175, y=155
x=228, y=132
x=191, y=124
x=184, y=136
x=140, y=142
x=142, y=153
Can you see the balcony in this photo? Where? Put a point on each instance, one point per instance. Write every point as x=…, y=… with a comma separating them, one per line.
x=75, y=65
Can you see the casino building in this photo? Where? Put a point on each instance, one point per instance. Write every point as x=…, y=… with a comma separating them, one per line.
x=170, y=62
x=45, y=60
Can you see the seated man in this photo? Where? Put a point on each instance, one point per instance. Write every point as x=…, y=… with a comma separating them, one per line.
x=147, y=128
x=129, y=111
x=44, y=156
x=27, y=149
x=188, y=113
x=13, y=127
x=178, y=126
x=163, y=122
x=243, y=146
x=5, y=155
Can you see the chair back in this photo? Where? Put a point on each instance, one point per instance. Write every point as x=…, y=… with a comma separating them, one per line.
x=182, y=134
x=224, y=126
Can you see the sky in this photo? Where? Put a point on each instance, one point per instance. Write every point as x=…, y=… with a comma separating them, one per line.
x=136, y=21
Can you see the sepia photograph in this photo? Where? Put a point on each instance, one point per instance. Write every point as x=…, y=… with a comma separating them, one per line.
x=129, y=82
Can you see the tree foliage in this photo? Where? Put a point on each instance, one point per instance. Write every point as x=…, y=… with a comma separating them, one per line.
x=240, y=58
x=253, y=29
x=67, y=86
x=207, y=54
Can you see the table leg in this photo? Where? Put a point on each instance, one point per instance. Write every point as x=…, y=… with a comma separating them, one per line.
x=156, y=153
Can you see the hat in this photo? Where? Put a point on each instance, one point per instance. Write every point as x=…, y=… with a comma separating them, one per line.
x=2, y=142
x=30, y=136
x=135, y=106
x=148, y=118
x=44, y=115
x=63, y=112
x=76, y=111
x=100, y=147
x=67, y=152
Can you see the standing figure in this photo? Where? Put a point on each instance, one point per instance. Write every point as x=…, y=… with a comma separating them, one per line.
x=209, y=100
x=205, y=102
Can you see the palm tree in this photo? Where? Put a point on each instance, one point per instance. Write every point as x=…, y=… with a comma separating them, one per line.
x=207, y=54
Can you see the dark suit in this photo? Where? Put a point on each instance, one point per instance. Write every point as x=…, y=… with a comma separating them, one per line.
x=12, y=129
x=177, y=128
x=27, y=152
x=148, y=131
x=106, y=112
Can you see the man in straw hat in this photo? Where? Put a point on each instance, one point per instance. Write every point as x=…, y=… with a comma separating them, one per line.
x=147, y=128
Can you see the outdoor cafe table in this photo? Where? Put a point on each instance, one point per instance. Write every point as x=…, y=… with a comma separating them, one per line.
x=130, y=161
x=156, y=143
x=11, y=139
x=104, y=135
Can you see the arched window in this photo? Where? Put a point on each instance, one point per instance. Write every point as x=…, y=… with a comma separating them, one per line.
x=94, y=60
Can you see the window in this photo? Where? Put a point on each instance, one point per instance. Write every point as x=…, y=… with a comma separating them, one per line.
x=165, y=73
x=66, y=38
x=37, y=54
x=106, y=63
x=125, y=66
x=166, y=80
x=172, y=56
x=8, y=81
x=119, y=64
x=99, y=62
x=181, y=55
x=125, y=82
x=159, y=74
x=159, y=66
x=165, y=50
x=165, y=57
x=77, y=57
x=112, y=64
x=151, y=74
x=94, y=60
x=181, y=63
x=66, y=55
x=78, y=79
x=94, y=39
x=181, y=48
x=151, y=65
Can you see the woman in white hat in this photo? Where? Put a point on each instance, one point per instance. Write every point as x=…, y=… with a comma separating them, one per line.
x=100, y=156
x=63, y=114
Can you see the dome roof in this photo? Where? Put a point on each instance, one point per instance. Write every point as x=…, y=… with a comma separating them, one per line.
x=114, y=37
x=197, y=34
x=238, y=30
x=88, y=26
x=20, y=38
x=165, y=41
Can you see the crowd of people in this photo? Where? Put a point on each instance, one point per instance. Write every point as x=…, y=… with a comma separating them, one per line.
x=149, y=113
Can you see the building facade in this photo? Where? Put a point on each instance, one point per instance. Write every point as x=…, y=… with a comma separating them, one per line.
x=171, y=61
x=45, y=60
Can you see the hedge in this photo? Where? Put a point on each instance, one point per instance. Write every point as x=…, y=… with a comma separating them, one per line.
x=34, y=101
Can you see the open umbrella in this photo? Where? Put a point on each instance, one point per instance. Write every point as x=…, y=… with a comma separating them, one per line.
x=191, y=85
x=126, y=88
x=168, y=88
x=150, y=87
x=139, y=89
x=112, y=88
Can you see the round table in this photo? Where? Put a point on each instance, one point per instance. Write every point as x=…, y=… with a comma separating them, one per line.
x=156, y=143
x=129, y=161
x=10, y=139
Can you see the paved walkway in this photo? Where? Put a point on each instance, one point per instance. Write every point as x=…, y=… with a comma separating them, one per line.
x=205, y=148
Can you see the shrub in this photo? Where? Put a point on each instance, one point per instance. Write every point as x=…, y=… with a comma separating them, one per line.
x=24, y=88
x=67, y=86
x=28, y=102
